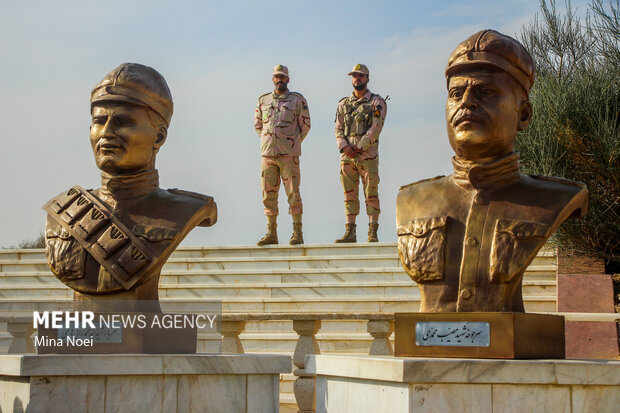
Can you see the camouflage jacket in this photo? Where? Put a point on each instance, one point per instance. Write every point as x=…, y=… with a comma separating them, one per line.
x=359, y=123
x=282, y=122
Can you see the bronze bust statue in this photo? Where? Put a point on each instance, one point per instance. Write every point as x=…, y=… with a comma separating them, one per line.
x=467, y=238
x=111, y=242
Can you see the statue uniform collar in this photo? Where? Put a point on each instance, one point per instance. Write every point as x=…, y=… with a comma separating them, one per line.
x=116, y=188
x=486, y=176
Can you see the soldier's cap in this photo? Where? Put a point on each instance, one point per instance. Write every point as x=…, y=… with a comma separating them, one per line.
x=137, y=84
x=491, y=48
x=360, y=68
x=280, y=70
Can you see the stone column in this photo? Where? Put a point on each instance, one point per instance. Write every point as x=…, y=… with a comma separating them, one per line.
x=22, y=336
x=230, y=337
x=305, y=384
x=381, y=330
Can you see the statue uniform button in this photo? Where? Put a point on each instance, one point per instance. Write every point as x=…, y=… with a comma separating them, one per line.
x=465, y=294
x=471, y=242
x=478, y=199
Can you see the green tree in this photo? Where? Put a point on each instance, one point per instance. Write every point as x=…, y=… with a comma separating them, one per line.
x=575, y=131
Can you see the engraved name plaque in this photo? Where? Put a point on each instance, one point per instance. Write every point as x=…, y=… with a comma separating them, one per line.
x=101, y=334
x=448, y=333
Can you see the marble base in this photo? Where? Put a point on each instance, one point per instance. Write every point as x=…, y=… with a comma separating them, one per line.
x=141, y=383
x=423, y=385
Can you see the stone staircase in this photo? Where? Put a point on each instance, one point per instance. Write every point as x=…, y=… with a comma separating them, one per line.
x=344, y=278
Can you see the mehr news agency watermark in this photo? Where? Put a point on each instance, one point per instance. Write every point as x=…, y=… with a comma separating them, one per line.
x=85, y=328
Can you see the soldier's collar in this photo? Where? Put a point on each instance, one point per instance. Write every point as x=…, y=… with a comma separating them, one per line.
x=366, y=96
x=492, y=175
x=116, y=188
x=282, y=96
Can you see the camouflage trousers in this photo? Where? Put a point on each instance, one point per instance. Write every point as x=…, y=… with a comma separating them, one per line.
x=350, y=173
x=271, y=169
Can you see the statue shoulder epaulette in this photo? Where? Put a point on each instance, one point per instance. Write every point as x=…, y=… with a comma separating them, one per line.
x=559, y=180
x=203, y=197
x=418, y=182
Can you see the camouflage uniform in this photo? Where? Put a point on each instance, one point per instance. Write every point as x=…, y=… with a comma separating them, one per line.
x=359, y=123
x=282, y=122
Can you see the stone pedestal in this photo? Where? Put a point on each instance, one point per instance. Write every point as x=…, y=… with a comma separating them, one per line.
x=588, y=293
x=423, y=385
x=141, y=383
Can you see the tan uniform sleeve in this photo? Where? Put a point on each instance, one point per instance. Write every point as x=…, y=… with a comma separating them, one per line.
x=303, y=118
x=340, y=139
x=378, y=119
x=258, y=119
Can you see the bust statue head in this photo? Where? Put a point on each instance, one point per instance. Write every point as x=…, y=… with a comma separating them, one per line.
x=489, y=77
x=131, y=110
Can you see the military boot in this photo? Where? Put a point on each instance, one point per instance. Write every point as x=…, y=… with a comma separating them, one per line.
x=298, y=236
x=349, y=234
x=271, y=237
x=372, y=231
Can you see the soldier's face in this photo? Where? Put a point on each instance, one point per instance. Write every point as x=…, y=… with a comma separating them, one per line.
x=359, y=81
x=280, y=82
x=123, y=138
x=484, y=110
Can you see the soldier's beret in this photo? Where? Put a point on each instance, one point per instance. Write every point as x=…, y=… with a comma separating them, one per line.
x=491, y=48
x=137, y=84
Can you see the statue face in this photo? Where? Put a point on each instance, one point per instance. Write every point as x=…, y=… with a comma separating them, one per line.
x=483, y=114
x=123, y=138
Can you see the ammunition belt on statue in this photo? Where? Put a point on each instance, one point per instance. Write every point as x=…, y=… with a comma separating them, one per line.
x=123, y=255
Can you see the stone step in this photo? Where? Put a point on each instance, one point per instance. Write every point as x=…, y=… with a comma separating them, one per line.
x=242, y=263
x=310, y=275
x=254, y=251
x=362, y=248
x=281, y=305
x=269, y=290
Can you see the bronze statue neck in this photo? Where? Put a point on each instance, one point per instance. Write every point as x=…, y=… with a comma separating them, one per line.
x=490, y=175
x=116, y=188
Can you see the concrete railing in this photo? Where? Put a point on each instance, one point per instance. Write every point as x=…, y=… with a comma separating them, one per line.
x=379, y=325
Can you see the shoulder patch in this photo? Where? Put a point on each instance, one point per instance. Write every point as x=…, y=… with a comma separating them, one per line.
x=203, y=197
x=423, y=180
x=558, y=180
x=298, y=94
x=263, y=95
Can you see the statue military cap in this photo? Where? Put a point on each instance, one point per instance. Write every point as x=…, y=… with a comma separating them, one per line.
x=491, y=48
x=137, y=84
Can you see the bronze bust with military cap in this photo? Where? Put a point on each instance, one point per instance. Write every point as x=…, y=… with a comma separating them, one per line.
x=111, y=242
x=467, y=238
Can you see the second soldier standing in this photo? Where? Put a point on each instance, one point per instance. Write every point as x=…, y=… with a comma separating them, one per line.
x=359, y=120
x=282, y=121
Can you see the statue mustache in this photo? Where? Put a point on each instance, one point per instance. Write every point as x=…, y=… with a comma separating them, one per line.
x=468, y=114
x=109, y=140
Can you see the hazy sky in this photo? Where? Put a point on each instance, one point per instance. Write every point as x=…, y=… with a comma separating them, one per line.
x=217, y=59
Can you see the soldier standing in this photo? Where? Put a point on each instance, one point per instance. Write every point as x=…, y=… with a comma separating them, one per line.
x=282, y=121
x=359, y=120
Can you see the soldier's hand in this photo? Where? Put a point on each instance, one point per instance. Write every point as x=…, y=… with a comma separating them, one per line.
x=350, y=151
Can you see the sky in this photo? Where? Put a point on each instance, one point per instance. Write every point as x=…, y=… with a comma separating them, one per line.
x=217, y=58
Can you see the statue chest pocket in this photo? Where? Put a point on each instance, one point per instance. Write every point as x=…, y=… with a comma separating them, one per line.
x=65, y=255
x=515, y=244
x=422, y=248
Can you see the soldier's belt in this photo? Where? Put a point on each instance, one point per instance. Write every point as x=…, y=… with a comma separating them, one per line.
x=123, y=255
